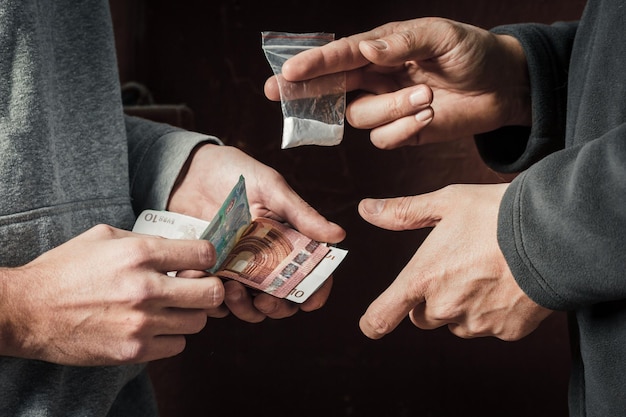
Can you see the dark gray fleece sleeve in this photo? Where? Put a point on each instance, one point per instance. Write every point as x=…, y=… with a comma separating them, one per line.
x=561, y=225
x=562, y=220
x=547, y=48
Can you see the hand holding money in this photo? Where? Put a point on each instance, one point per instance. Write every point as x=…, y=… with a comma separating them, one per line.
x=263, y=254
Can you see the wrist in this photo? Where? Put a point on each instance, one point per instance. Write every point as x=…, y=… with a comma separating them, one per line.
x=9, y=329
x=518, y=110
x=172, y=200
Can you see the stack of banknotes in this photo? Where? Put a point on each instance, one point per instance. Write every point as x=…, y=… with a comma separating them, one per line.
x=261, y=253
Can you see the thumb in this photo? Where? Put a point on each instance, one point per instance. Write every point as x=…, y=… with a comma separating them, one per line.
x=401, y=213
x=271, y=90
x=288, y=205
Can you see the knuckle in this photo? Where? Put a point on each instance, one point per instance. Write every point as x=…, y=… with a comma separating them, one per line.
x=334, y=50
x=417, y=288
x=135, y=251
x=407, y=38
x=511, y=335
x=396, y=107
x=444, y=313
x=213, y=294
x=102, y=231
x=477, y=328
x=135, y=347
x=206, y=251
x=136, y=324
x=403, y=211
x=458, y=331
x=131, y=352
x=138, y=292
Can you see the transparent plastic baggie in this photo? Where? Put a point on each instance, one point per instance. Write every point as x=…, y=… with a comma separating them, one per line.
x=313, y=110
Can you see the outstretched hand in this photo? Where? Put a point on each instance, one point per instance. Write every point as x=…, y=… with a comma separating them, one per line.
x=423, y=80
x=458, y=277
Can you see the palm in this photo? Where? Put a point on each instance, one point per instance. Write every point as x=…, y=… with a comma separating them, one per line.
x=204, y=192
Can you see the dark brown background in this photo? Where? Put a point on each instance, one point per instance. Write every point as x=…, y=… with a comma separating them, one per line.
x=207, y=55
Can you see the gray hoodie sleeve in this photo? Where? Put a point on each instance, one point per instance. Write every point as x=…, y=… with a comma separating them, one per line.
x=156, y=153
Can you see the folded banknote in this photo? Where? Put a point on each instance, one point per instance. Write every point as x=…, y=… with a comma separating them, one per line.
x=263, y=253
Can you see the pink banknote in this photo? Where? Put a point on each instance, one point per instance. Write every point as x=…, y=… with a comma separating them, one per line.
x=272, y=257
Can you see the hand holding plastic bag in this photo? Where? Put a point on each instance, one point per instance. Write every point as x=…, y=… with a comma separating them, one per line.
x=313, y=110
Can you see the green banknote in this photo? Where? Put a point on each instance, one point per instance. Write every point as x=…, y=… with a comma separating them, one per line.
x=229, y=223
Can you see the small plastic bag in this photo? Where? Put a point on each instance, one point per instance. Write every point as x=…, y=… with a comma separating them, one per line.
x=313, y=110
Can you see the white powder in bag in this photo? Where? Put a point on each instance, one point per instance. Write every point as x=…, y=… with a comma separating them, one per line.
x=298, y=132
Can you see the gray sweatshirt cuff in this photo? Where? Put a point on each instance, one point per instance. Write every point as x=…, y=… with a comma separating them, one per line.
x=162, y=164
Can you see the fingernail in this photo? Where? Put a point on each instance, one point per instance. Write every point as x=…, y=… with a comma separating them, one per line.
x=218, y=295
x=373, y=206
x=425, y=115
x=378, y=44
x=418, y=98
